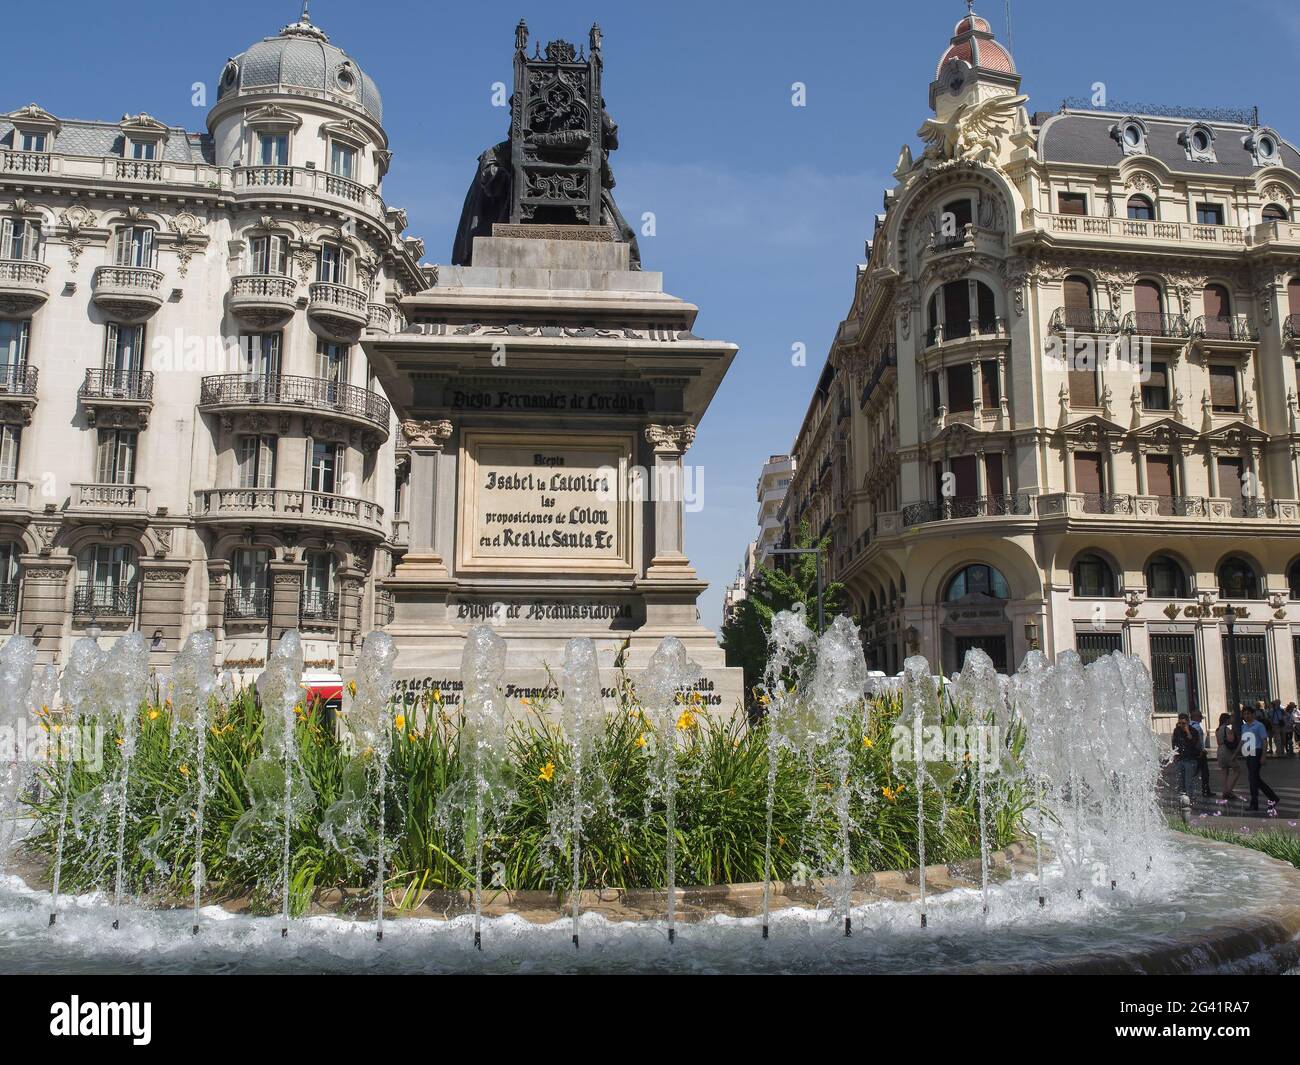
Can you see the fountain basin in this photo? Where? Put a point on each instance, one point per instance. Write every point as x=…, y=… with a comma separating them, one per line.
x=1197, y=912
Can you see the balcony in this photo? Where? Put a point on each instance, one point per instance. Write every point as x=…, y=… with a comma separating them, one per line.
x=112, y=601
x=1164, y=508
x=108, y=502
x=959, y=507
x=264, y=301
x=128, y=391
x=139, y=170
x=400, y=537
x=1083, y=320
x=319, y=607
x=9, y=599
x=1180, y=235
x=289, y=506
x=1156, y=325
x=338, y=310
x=25, y=162
x=280, y=183
x=127, y=293
x=1235, y=328
x=1291, y=330
x=961, y=331
x=236, y=391
x=23, y=287
x=248, y=604
x=15, y=497
x=18, y=389
x=379, y=318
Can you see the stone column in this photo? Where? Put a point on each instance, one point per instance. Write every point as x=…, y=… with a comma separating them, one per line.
x=44, y=610
x=162, y=605
x=1214, y=472
x=351, y=586
x=1140, y=453
x=218, y=583
x=670, y=443
x=1069, y=468
x=286, y=597
x=426, y=440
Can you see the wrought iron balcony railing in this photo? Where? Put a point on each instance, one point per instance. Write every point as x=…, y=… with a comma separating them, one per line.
x=9, y=599
x=248, y=604
x=1155, y=324
x=950, y=332
x=18, y=380
x=1083, y=320
x=237, y=389
x=136, y=385
x=958, y=507
x=105, y=600
x=1291, y=327
x=319, y=605
x=1225, y=327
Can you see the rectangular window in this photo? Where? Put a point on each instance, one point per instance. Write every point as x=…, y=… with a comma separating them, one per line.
x=106, y=568
x=1173, y=673
x=1094, y=645
x=1072, y=203
x=13, y=351
x=10, y=438
x=1160, y=478
x=1088, y=473
x=123, y=356
x=1209, y=214
x=325, y=468
x=1223, y=389
x=20, y=239
x=133, y=246
x=343, y=160
x=273, y=149
x=990, y=397
x=1083, y=388
x=1252, y=670
x=267, y=255
x=334, y=265
x=331, y=369
x=257, y=461
x=1155, y=390
x=961, y=388
x=143, y=149
x=115, y=463
x=33, y=142
x=261, y=354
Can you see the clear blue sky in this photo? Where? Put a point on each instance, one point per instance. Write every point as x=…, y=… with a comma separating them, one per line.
x=762, y=207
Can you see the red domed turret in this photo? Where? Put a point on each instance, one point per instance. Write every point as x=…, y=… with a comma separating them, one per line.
x=973, y=43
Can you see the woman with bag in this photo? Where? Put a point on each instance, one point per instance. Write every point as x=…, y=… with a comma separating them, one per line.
x=1227, y=742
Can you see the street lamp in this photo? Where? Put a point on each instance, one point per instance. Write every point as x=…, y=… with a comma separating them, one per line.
x=1230, y=616
x=821, y=616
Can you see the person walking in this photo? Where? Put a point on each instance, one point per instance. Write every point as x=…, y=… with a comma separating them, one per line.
x=1203, y=760
x=1289, y=729
x=1187, y=753
x=1276, y=719
x=1254, y=739
x=1227, y=742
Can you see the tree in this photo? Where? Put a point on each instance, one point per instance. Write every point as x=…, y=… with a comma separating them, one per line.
x=745, y=636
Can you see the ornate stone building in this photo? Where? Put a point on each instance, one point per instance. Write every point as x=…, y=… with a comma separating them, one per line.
x=192, y=434
x=1061, y=411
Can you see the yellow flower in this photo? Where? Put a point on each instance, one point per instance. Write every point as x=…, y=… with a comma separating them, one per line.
x=686, y=721
x=696, y=697
x=640, y=740
x=868, y=742
x=548, y=772
x=437, y=695
x=889, y=793
x=400, y=721
x=352, y=688
x=764, y=700
x=184, y=769
x=153, y=714
x=413, y=736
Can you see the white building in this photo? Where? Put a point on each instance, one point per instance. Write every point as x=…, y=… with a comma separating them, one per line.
x=192, y=436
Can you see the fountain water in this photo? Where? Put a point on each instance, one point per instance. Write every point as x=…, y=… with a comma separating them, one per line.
x=584, y=715
x=372, y=725
x=792, y=645
x=194, y=681
x=921, y=712
x=838, y=686
x=126, y=672
x=662, y=685
x=1028, y=701
x=484, y=739
x=17, y=665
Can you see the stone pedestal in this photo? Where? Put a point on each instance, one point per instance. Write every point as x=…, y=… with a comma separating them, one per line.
x=549, y=393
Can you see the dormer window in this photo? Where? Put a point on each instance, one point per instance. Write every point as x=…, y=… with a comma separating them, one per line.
x=1198, y=141
x=1131, y=134
x=1275, y=212
x=146, y=150
x=343, y=160
x=31, y=141
x=1263, y=145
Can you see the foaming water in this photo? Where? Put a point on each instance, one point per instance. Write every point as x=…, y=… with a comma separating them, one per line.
x=1197, y=885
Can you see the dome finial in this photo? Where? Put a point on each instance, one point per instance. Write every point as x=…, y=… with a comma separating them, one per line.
x=970, y=6
x=304, y=27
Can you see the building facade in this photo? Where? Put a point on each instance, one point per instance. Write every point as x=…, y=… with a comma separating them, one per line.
x=1061, y=411
x=192, y=435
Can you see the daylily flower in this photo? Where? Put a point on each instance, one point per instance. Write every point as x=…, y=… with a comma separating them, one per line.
x=153, y=713
x=548, y=772
x=868, y=742
x=640, y=740
x=400, y=721
x=686, y=721
x=184, y=769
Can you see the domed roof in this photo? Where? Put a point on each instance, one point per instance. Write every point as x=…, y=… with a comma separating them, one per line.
x=973, y=42
x=300, y=57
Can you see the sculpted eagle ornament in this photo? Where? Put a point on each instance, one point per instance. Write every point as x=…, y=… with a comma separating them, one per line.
x=973, y=131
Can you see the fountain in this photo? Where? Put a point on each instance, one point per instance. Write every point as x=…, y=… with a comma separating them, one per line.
x=584, y=715
x=1088, y=879
x=17, y=666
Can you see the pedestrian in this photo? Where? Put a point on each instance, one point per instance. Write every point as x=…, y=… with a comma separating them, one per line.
x=1227, y=742
x=1203, y=762
x=1187, y=753
x=1254, y=739
x=1276, y=723
x=1289, y=729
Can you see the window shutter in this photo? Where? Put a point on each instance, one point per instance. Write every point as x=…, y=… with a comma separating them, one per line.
x=1146, y=297
x=31, y=242
x=1293, y=295
x=1160, y=476
x=1078, y=294
x=1216, y=301
x=146, y=247
x=125, y=457
x=247, y=461
x=1087, y=472
x=1157, y=377
x=122, y=246
x=965, y=477
x=961, y=388
x=993, y=473
x=266, y=462
x=104, y=460
x=1230, y=486
x=12, y=434
x=1083, y=388
x=1223, y=387
x=1072, y=203
x=989, y=372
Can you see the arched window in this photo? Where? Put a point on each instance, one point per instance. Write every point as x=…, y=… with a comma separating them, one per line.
x=977, y=579
x=1275, y=212
x=1166, y=579
x=1148, y=308
x=962, y=309
x=1077, y=312
x=1293, y=579
x=134, y=246
x=1218, y=310
x=1238, y=580
x=1093, y=577
x=1141, y=209
x=106, y=581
